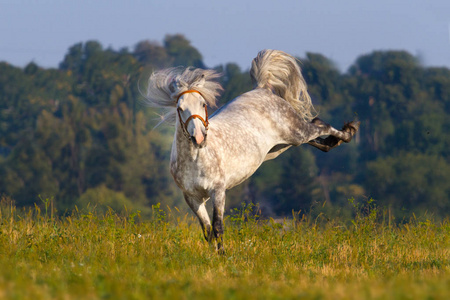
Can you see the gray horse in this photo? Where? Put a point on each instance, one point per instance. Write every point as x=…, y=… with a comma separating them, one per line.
x=212, y=155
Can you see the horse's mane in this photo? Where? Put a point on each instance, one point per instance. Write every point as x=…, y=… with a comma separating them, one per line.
x=281, y=73
x=164, y=86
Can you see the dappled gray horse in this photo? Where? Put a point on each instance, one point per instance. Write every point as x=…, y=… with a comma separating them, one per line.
x=211, y=155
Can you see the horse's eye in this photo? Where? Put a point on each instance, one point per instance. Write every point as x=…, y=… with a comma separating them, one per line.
x=204, y=104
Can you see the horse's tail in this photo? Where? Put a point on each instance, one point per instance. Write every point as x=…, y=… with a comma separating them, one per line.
x=281, y=73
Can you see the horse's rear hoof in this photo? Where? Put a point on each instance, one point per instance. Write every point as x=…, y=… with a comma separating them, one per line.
x=351, y=127
x=355, y=125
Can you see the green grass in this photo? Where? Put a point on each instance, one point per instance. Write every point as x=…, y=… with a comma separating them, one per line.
x=87, y=256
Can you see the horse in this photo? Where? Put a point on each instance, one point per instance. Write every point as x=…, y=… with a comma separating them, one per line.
x=211, y=154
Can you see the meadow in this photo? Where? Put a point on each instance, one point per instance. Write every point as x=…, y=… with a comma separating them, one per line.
x=85, y=255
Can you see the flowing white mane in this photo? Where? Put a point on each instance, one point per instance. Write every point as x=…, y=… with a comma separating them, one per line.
x=164, y=87
x=281, y=73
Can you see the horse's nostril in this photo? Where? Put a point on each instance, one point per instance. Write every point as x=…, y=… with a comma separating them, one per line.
x=199, y=141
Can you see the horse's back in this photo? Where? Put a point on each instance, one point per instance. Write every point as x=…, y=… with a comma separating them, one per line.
x=252, y=105
x=257, y=113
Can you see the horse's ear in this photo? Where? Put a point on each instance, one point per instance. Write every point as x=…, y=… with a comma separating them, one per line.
x=201, y=80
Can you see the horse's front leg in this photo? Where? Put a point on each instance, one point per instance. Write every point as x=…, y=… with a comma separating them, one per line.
x=218, y=200
x=198, y=207
x=330, y=142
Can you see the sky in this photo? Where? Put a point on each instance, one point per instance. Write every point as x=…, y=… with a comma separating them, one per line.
x=41, y=31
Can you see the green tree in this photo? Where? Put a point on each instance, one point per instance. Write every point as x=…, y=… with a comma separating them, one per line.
x=152, y=53
x=80, y=128
x=415, y=182
x=296, y=187
x=181, y=51
x=234, y=82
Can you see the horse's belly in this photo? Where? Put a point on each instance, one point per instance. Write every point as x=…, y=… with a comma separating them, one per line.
x=238, y=173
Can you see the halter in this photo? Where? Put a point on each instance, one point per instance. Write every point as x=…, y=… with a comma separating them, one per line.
x=185, y=124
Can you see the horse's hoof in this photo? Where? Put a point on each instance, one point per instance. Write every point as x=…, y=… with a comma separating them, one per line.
x=351, y=127
x=220, y=249
x=355, y=125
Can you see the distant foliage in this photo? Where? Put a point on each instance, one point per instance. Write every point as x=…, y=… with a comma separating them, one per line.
x=100, y=199
x=77, y=131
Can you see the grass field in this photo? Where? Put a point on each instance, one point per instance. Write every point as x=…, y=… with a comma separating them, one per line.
x=87, y=256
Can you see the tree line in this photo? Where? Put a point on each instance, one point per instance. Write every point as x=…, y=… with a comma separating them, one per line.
x=79, y=134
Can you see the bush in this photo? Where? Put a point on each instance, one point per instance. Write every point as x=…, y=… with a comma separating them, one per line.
x=102, y=198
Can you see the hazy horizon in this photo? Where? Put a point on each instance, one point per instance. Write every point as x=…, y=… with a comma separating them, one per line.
x=228, y=32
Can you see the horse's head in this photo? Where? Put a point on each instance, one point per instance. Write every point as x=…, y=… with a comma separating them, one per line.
x=193, y=116
x=189, y=91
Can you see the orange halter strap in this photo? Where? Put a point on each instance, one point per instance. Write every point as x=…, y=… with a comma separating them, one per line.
x=187, y=92
x=185, y=124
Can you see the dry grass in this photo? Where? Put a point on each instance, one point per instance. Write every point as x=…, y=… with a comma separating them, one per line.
x=121, y=257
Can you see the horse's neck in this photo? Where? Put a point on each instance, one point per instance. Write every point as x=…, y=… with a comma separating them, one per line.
x=183, y=149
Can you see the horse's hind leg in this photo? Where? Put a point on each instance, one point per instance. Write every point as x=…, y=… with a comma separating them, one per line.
x=311, y=133
x=344, y=135
x=325, y=144
x=198, y=207
x=330, y=142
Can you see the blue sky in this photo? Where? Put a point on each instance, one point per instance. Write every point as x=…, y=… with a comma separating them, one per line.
x=228, y=31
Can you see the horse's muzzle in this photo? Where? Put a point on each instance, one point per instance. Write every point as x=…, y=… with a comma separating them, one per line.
x=198, y=141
